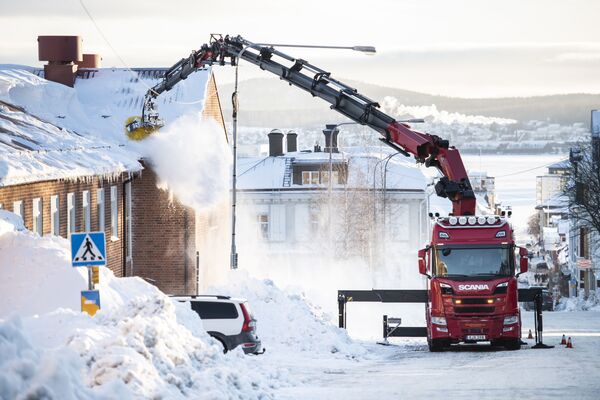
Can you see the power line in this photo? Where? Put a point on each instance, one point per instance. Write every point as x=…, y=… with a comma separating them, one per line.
x=135, y=74
x=530, y=169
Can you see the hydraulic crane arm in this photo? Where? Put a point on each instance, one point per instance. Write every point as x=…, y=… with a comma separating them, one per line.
x=426, y=148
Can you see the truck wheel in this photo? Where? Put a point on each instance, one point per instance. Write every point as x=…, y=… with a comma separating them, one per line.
x=512, y=344
x=436, y=345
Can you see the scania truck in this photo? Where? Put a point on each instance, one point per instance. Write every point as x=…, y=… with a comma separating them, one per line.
x=471, y=268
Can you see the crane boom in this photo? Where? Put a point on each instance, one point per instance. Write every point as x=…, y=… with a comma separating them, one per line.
x=429, y=149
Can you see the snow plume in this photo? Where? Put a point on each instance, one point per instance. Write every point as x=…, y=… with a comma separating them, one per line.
x=137, y=346
x=432, y=114
x=310, y=272
x=191, y=158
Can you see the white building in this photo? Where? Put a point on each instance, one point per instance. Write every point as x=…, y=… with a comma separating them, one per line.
x=375, y=204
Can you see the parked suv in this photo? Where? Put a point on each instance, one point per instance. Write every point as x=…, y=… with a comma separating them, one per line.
x=229, y=320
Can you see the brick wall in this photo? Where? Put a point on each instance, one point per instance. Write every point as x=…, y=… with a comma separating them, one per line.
x=44, y=190
x=164, y=250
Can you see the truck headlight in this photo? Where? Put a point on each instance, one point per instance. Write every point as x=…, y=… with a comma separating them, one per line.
x=513, y=319
x=438, y=320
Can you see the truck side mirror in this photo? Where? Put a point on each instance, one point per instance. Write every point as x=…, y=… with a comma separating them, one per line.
x=422, y=263
x=524, y=261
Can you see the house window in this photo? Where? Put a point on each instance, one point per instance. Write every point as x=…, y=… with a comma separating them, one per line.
x=38, y=225
x=325, y=177
x=263, y=225
x=100, y=208
x=85, y=205
x=71, y=227
x=54, y=216
x=114, y=213
x=18, y=209
x=310, y=177
x=314, y=219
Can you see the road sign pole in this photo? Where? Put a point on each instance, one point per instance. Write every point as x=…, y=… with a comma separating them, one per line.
x=90, y=279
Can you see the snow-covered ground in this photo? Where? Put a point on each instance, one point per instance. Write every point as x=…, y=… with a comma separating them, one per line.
x=410, y=371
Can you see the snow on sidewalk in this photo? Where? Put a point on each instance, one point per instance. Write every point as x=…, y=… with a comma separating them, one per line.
x=135, y=347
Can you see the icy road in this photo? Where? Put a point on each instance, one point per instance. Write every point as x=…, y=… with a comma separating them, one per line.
x=410, y=371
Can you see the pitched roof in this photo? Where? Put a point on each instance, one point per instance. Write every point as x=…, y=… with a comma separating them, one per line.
x=51, y=131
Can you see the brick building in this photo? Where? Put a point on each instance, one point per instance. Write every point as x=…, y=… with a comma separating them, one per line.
x=70, y=169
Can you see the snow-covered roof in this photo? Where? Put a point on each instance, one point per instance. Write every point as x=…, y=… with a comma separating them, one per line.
x=364, y=165
x=32, y=149
x=51, y=131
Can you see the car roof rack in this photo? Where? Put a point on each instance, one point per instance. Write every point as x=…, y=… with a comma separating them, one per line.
x=193, y=296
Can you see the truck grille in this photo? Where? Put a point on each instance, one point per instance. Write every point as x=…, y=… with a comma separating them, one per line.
x=473, y=301
x=473, y=310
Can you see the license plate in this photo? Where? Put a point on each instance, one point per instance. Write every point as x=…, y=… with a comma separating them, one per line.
x=475, y=337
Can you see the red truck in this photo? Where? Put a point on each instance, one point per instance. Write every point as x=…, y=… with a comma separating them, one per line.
x=470, y=261
x=472, y=274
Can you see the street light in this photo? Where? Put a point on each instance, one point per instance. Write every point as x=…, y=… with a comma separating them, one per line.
x=235, y=103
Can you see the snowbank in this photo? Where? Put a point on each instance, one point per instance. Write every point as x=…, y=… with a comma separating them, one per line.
x=288, y=322
x=592, y=303
x=135, y=346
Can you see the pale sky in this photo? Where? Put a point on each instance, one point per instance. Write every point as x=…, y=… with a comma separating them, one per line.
x=464, y=48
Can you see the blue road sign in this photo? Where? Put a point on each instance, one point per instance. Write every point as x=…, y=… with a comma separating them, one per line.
x=87, y=249
x=90, y=301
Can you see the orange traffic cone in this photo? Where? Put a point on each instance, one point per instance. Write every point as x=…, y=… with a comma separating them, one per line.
x=563, y=340
x=569, y=343
x=530, y=335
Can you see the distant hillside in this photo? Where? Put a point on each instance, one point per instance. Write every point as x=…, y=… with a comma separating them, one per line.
x=271, y=102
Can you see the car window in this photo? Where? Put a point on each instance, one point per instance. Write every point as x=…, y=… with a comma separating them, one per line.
x=214, y=310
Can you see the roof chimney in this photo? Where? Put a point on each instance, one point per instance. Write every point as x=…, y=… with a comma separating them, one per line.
x=292, y=142
x=275, y=143
x=331, y=133
x=90, y=61
x=61, y=52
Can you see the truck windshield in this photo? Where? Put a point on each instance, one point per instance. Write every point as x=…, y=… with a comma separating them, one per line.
x=472, y=261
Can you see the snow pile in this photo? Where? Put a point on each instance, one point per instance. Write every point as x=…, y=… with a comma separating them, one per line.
x=592, y=303
x=289, y=322
x=192, y=159
x=135, y=347
x=432, y=114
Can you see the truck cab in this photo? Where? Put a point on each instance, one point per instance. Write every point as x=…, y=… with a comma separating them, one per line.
x=472, y=290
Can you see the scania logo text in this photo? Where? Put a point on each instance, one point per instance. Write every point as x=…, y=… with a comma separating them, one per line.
x=473, y=287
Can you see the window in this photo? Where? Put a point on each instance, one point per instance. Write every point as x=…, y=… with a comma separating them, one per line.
x=54, y=216
x=263, y=225
x=127, y=207
x=71, y=216
x=38, y=225
x=18, y=209
x=85, y=206
x=325, y=177
x=310, y=177
x=314, y=219
x=114, y=213
x=100, y=208
x=214, y=310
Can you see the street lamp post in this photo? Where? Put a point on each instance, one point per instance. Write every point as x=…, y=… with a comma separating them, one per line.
x=369, y=50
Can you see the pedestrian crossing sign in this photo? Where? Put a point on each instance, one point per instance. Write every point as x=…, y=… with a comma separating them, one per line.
x=88, y=249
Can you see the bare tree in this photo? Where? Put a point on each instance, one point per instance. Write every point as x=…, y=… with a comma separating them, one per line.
x=533, y=225
x=583, y=188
